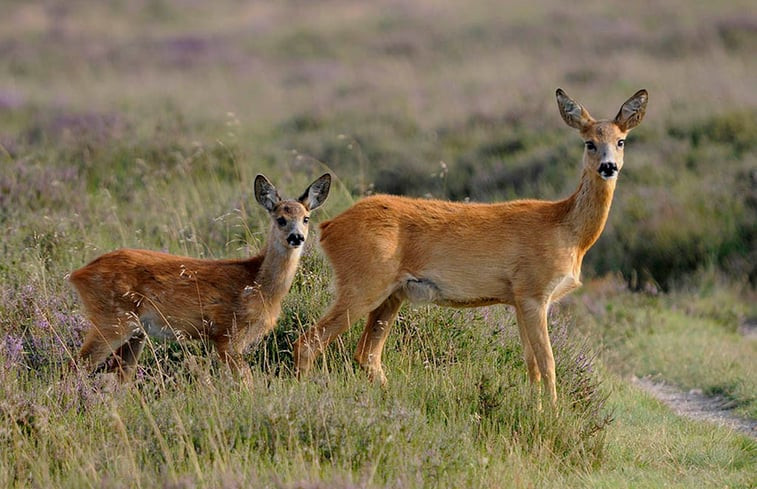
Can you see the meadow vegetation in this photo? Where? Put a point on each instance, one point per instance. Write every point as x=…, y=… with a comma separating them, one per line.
x=143, y=124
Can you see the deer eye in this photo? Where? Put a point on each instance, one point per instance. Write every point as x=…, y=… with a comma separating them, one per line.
x=591, y=146
x=621, y=143
x=306, y=219
x=281, y=221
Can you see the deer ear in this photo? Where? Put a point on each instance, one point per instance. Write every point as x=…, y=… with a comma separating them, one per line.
x=572, y=112
x=265, y=193
x=632, y=111
x=316, y=193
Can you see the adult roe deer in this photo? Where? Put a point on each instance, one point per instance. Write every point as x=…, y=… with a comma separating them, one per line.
x=525, y=253
x=128, y=294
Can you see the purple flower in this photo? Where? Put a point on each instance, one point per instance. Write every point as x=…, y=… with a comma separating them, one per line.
x=41, y=320
x=12, y=349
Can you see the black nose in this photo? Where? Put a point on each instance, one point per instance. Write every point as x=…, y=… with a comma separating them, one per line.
x=295, y=239
x=608, y=169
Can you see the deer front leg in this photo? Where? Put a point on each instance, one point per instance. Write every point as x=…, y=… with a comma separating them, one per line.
x=232, y=345
x=231, y=355
x=532, y=319
x=534, y=375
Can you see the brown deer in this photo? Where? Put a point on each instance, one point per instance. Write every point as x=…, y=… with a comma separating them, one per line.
x=129, y=294
x=386, y=249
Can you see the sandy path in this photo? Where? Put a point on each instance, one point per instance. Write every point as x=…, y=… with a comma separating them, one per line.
x=695, y=405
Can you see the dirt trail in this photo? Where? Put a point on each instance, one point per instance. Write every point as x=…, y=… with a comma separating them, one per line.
x=695, y=405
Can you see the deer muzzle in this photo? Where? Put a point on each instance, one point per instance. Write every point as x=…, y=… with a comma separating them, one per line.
x=295, y=239
x=608, y=170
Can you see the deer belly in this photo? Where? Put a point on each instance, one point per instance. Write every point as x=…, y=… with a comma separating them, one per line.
x=419, y=290
x=425, y=291
x=158, y=329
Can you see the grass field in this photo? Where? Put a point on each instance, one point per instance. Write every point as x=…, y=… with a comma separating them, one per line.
x=143, y=124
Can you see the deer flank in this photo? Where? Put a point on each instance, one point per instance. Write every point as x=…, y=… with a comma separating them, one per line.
x=386, y=250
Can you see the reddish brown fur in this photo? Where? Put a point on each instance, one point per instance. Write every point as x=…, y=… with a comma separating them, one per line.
x=526, y=253
x=128, y=293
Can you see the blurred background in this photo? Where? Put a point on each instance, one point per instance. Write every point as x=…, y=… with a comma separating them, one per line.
x=143, y=123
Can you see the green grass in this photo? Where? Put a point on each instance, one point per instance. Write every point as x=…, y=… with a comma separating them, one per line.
x=143, y=124
x=442, y=421
x=458, y=410
x=435, y=427
x=689, y=338
x=648, y=446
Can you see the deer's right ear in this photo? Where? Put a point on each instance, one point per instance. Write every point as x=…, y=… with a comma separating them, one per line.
x=265, y=193
x=316, y=193
x=572, y=112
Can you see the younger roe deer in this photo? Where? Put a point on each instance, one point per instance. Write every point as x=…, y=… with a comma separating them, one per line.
x=129, y=293
x=386, y=249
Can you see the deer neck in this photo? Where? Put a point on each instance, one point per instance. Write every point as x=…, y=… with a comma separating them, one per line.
x=277, y=270
x=589, y=207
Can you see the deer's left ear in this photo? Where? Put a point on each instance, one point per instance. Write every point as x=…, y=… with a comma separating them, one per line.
x=316, y=193
x=632, y=111
x=265, y=193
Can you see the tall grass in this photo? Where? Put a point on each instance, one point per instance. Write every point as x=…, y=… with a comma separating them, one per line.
x=457, y=402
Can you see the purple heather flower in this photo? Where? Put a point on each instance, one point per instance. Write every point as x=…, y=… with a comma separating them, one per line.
x=12, y=349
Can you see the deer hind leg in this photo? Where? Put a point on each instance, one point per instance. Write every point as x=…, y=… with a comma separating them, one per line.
x=107, y=334
x=337, y=320
x=532, y=320
x=376, y=331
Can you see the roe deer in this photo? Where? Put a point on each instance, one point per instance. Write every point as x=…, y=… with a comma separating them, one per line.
x=526, y=253
x=128, y=294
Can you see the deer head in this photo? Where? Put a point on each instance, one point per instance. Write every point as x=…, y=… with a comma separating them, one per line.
x=291, y=217
x=604, y=140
